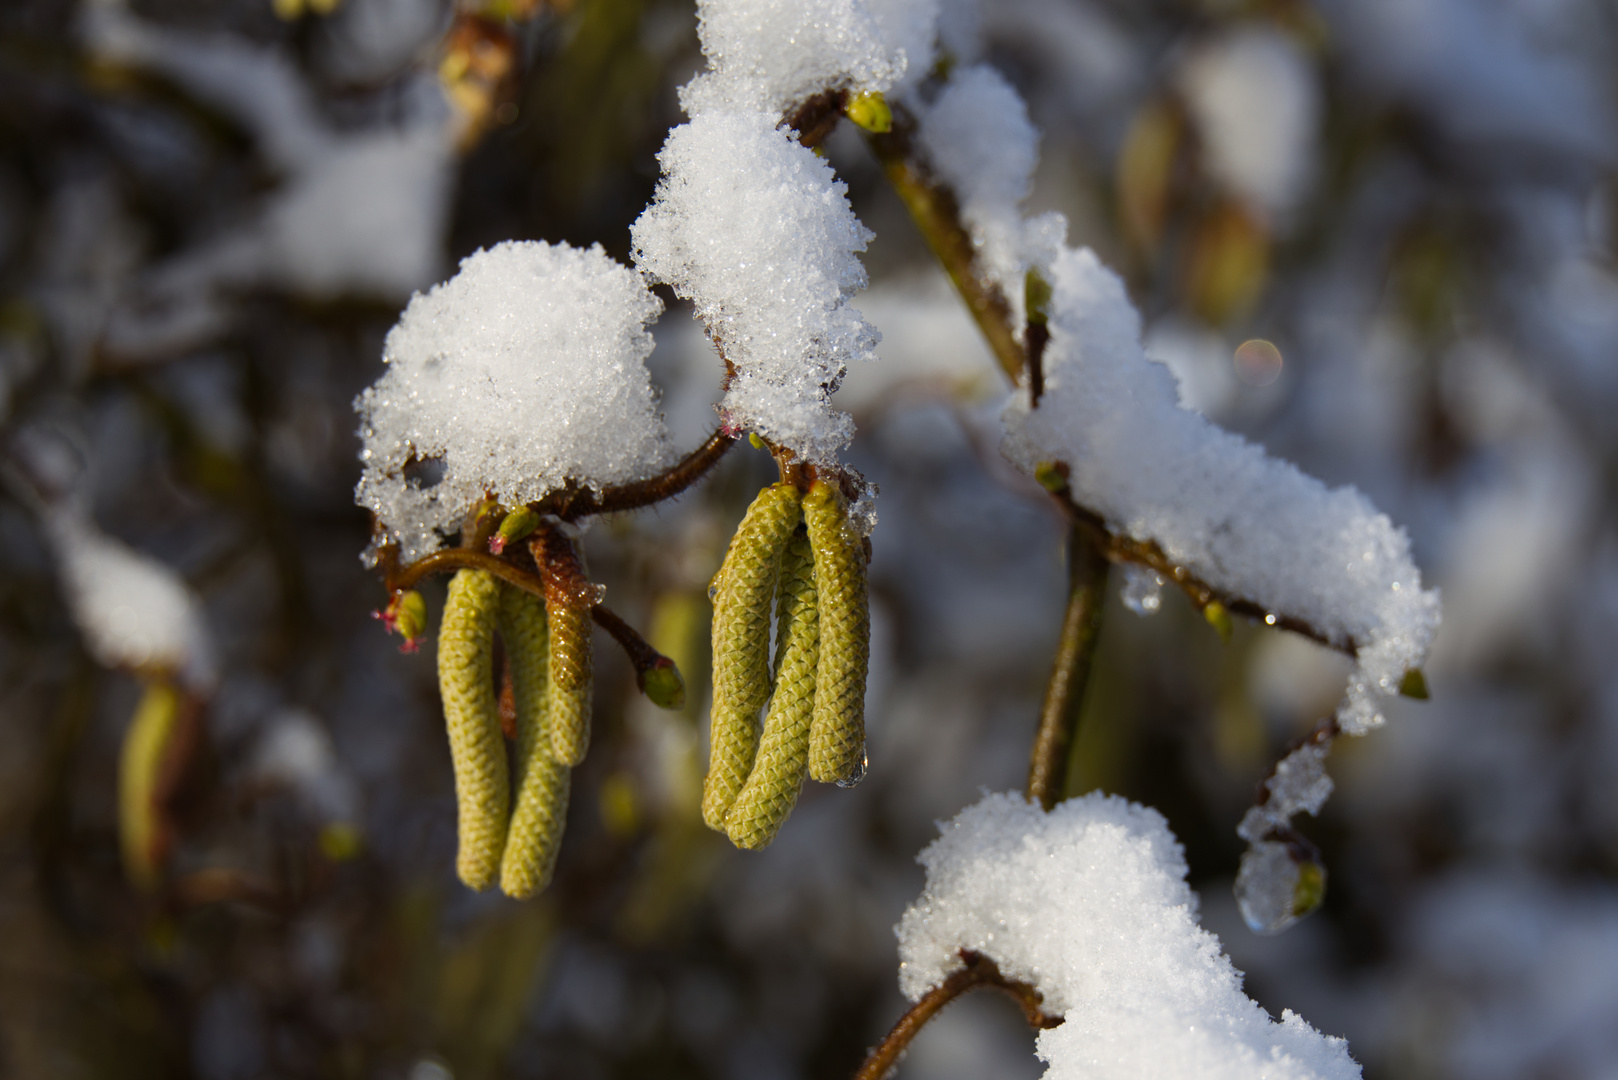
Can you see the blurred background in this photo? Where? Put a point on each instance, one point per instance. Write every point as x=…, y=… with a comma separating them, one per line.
x=1376, y=236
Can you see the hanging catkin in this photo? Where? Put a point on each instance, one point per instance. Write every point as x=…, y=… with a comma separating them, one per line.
x=742, y=594
x=837, y=729
x=477, y=749
x=782, y=761
x=540, y=806
x=140, y=768
x=569, y=596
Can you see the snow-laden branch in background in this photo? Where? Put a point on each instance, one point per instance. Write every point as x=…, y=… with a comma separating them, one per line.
x=134, y=612
x=358, y=213
x=520, y=375
x=1088, y=904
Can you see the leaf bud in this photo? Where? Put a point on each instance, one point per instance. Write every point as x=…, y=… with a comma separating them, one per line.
x=870, y=111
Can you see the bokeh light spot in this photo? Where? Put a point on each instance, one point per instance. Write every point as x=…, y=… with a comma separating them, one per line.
x=1258, y=362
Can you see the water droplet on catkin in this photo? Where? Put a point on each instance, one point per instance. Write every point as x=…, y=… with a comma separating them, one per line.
x=853, y=779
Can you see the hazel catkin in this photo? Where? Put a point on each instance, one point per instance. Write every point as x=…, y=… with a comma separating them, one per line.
x=569, y=596
x=141, y=830
x=540, y=805
x=782, y=760
x=471, y=715
x=742, y=593
x=837, y=727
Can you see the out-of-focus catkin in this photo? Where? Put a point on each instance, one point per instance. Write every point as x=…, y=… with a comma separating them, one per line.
x=569, y=596
x=140, y=768
x=782, y=760
x=837, y=728
x=477, y=748
x=540, y=805
x=743, y=591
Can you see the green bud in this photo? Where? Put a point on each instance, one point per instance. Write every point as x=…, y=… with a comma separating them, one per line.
x=1414, y=684
x=870, y=111
x=756, y=442
x=1218, y=617
x=1309, y=890
x=517, y=524
x=1037, y=298
x=1052, y=476
x=662, y=685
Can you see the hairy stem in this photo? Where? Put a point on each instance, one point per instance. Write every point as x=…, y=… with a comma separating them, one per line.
x=979, y=971
x=574, y=504
x=1070, y=670
x=937, y=213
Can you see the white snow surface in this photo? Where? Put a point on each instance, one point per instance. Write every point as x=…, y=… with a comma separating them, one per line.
x=1248, y=524
x=757, y=232
x=773, y=54
x=979, y=140
x=523, y=372
x=1089, y=904
x=134, y=611
x=1253, y=96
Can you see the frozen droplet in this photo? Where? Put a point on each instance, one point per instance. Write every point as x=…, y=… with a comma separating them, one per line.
x=713, y=590
x=853, y=779
x=598, y=594
x=1276, y=887
x=1143, y=590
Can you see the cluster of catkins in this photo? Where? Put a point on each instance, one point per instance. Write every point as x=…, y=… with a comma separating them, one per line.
x=799, y=555
x=515, y=837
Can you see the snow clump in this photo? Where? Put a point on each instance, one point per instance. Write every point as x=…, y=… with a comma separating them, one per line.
x=1089, y=905
x=765, y=54
x=523, y=373
x=757, y=232
x=134, y=611
x=1253, y=96
x=1248, y=524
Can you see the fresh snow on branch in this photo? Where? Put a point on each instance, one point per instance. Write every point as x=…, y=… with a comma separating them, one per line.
x=757, y=231
x=1088, y=903
x=1244, y=522
x=134, y=611
x=524, y=372
x=766, y=54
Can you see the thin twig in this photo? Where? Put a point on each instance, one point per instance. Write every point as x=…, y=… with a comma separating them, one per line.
x=574, y=503
x=1070, y=670
x=979, y=971
x=442, y=562
x=1123, y=549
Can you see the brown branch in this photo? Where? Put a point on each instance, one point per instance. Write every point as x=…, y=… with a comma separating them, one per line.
x=1070, y=670
x=449, y=559
x=937, y=213
x=645, y=659
x=1124, y=549
x=574, y=503
x=979, y=971
x=816, y=118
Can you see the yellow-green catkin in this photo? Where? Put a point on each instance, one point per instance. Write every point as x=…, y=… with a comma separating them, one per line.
x=782, y=761
x=476, y=746
x=837, y=728
x=140, y=768
x=742, y=593
x=540, y=805
x=569, y=597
